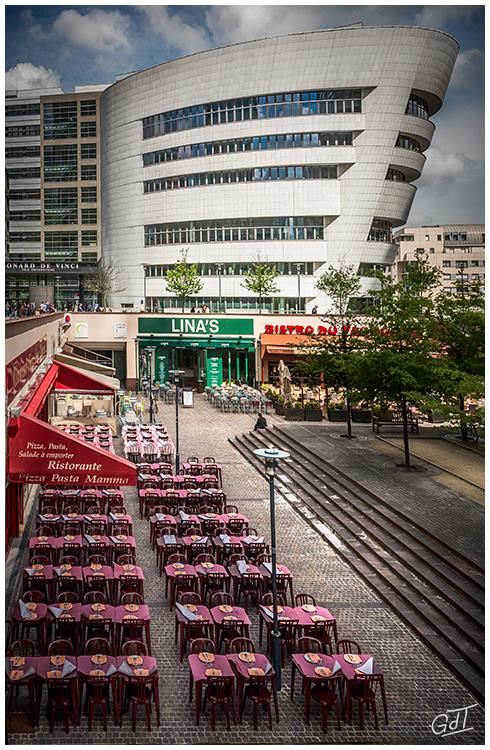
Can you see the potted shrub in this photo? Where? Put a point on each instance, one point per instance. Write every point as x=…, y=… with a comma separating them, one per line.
x=337, y=412
x=295, y=413
x=362, y=414
x=279, y=405
x=313, y=413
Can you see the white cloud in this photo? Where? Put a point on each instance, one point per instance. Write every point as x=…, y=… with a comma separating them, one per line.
x=175, y=32
x=98, y=31
x=29, y=76
x=438, y=16
x=442, y=168
x=469, y=66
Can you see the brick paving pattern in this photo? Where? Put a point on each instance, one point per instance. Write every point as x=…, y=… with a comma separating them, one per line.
x=418, y=686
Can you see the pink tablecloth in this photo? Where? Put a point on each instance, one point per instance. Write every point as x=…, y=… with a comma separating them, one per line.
x=238, y=612
x=142, y=613
x=349, y=670
x=198, y=668
x=241, y=667
x=85, y=665
x=305, y=617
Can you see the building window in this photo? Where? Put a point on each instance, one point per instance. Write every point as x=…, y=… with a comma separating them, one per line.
x=89, y=257
x=381, y=231
x=61, y=246
x=405, y=141
x=88, y=150
x=24, y=195
x=431, y=250
x=439, y=237
x=253, y=108
x=25, y=237
x=21, y=131
x=60, y=206
x=60, y=163
x=407, y=237
x=89, y=195
x=240, y=268
x=88, y=107
x=446, y=263
x=236, y=230
x=252, y=143
x=395, y=175
x=417, y=106
x=259, y=174
x=88, y=172
x=89, y=238
x=89, y=216
x=25, y=216
x=22, y=152
x=60, y=120
x=24, y=173
x=88, y=129
x=21, y=110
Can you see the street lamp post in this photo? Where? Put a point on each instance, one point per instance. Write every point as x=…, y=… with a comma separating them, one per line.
x=272, y=457
x=298, y=271
x=219, y=269
x=149, y=369
x=177, y=375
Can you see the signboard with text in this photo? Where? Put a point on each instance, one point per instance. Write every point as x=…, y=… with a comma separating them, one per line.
x=214, y=371
x=47, y=267
x=19, y=370
x=197, y=326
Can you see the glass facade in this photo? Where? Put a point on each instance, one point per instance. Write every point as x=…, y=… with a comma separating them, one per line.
x=89, y=238
x=381, y=231
x=60, y=120
x=277, y=304
x=88, y=172
x=405, y=141
x=89, y=194
x=60, y=206
x=395, y=175
x=29, y=173
x=22, y=110
x=88, y=107
x=88, y=151
x=22, y=152
x=61, y=246
x=67, y=289
x=25, y=237
x=24, y=195
x=263, y=106
x=89, y=216
x=60, y=163
x=228, y=177
x=234, y=269
x=254, y=143
x=418, y=107
x=25, y=216
x=236, y=230
x=21, y=131
x=88, y=129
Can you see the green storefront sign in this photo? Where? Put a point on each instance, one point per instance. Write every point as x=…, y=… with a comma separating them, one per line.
x=197, y=326
x=214, y=371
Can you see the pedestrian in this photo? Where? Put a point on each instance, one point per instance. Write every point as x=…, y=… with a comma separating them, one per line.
x=314, y=310
x=193, y=309
x=205, y=309
x=261, y=423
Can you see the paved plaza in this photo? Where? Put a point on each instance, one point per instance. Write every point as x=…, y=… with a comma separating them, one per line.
x=418, y=686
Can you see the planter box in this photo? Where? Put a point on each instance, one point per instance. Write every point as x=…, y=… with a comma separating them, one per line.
x=295, y=415
x=313, y=415
x=361, y=415
x=280, y=411
x=337, y=415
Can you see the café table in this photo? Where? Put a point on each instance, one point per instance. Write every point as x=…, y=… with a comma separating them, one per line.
x=98, y=616
x=69, y=575
x=43, y=545
x=200, y=673
x=214, y=470
x=195, y=544
x=125, y=614
x=222, y=542
x=100, y=578
x=21, y=670
x=39, y=577
x=30, y=615
x=50, y=670
x=185, y=617
x=127, y=571
x=100, y=665
x=234, y=521
x=284, y=576
x=124, y=518
x=173, y=574
x=69, y=544
x=51, y=520
x=228, y=613
x=153, y=494
x=132, y=668
x=96, y=519
x=209, y=570
x=167, y=544
x=159, y=521
x=307, y=669
x=349, y=664
x=240, y=570
x=308, y=617
x=241, y=664
x=67, y=615
x=285, y=613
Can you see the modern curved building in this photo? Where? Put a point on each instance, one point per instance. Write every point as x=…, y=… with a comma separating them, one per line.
x=300, y=151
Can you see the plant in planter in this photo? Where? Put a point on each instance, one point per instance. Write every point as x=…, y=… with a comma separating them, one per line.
x=313, y=412
x=337, y=411
x=295, y=412
x=279, y=405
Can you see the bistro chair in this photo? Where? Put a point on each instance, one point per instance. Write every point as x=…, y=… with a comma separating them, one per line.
x=189, y=597
x=301, y=599
x=237, y=645
x=133, y=648
x=139, y=691
x=327, y=693
x=33, y=596
x=219, y=693
x=363, y=689
x=198, y=645
x=95, y=597
x=23, y=647
x=230, y=509
x=70, y=597
x=347, y=646
x=306, y=644
x=229, y=630
x=192, y=460
x=132, y=597
x=97, y=694
x=205, y=557
x=260, y=691
x=249, y=586
x=266, y=601
x=97, y=646
x=61, y=647
x=222, y=597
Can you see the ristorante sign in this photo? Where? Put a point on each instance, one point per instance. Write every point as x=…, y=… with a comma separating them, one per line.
x=41, y=454
x=19, y=370
x=46, y=267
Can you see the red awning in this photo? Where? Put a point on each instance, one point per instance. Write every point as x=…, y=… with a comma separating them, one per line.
x=42, y=392
x=39, y=453
x=72, y=379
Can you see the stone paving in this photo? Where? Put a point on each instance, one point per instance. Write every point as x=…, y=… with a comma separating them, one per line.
x=418, y=686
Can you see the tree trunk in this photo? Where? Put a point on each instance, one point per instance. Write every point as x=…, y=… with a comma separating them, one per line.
x=406, y=446
x=349, y=418
x=462, y=425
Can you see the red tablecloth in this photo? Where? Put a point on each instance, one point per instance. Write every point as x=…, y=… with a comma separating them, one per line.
x=142, y=613
x=305, y=617
x=44, y=666
x=27, y=665
x=39, y=609
x=135, y=571
x=55, y=612
x=308, y=670
x=76, y=539
x=45, y=574
x=348, y=670
x=85, y=665
x=241, y=667
x=149, y=663
x=282, y=570
x=198, y=668
x=238, y=612
x=74, y=572
x=128, y=540
x=106, y=572
x=238, y=517
x=204, y=572
x=88, y=612
x=171, y=572
x=201, y=611
x=288, y=613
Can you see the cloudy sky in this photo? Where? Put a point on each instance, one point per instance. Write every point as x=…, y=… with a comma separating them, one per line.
x=64, y=45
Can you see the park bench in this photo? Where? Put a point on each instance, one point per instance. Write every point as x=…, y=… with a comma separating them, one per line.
x=394, y=418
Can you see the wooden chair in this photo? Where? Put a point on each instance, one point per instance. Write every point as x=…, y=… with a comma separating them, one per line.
x=347, y=646
x=260, y=691
x=220, y=694
x=327, y=694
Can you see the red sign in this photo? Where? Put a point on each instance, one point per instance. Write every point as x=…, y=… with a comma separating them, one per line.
x=20, y=369
x=39, y=453
x=330, y=330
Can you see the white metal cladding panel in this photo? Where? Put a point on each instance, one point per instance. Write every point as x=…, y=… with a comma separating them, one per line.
x=391, y=61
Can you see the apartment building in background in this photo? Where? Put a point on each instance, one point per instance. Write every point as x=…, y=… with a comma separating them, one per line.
x=53, y=167
x=457, y=250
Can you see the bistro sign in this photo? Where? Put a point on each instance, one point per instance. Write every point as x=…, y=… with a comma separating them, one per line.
x=330, y=330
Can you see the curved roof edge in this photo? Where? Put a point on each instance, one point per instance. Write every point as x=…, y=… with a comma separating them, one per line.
x=348, y=27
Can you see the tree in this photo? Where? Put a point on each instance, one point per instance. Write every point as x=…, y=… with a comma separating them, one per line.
x=401, y=360
x=461, y=333
x=261, y=280
x=103, y=281
x=335, y=355
x=183, y=279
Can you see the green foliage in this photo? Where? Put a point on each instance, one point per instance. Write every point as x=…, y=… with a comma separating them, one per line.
x=183, y=279
x=340, y=284
x=261, y=280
